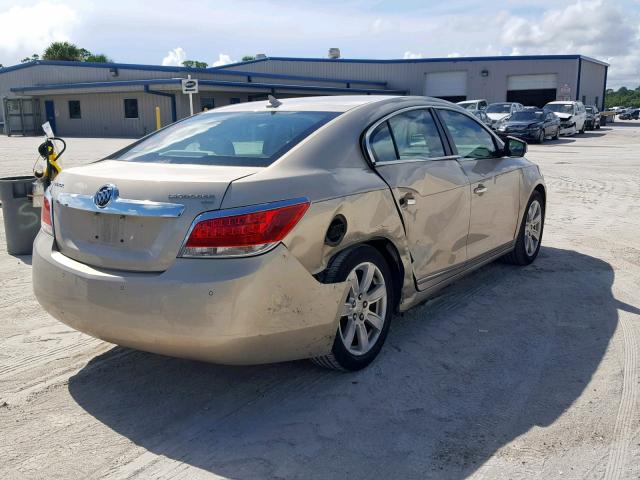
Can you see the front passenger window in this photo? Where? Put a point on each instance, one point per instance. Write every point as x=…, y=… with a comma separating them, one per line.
x=469, y=137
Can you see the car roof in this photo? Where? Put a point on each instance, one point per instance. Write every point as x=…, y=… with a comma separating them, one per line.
x=561, y=102
x=332, y=103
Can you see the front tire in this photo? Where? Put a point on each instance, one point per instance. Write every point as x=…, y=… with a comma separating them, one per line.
x=530, y=234
x=540, y=139
x=366, y=311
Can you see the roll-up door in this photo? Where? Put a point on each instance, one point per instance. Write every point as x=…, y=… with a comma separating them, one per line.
x=534, y=90
x=450, y=86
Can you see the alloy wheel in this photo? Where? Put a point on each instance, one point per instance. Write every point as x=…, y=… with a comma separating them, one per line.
x=533, y=228
x=365, y=309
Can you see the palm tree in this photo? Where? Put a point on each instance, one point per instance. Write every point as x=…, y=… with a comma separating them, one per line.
x=63, y=51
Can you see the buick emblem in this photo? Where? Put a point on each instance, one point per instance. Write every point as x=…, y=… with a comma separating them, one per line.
x=104, y=195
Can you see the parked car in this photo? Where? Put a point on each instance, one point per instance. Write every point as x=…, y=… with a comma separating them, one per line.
x=474, y=105
x=629, y=114
x=482, y=116
x=573, y=116
x=531, y=125
x=280, y=230
x=593, y=117
x=499, y=111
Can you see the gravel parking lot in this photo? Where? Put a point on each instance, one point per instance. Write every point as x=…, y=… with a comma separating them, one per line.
x=510, y=373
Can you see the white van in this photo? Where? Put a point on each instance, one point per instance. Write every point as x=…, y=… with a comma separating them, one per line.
x=572, y=115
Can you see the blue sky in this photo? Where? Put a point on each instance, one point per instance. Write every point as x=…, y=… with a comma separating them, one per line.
x=225, y=30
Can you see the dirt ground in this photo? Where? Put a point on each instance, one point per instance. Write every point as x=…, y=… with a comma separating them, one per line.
x=510, y=373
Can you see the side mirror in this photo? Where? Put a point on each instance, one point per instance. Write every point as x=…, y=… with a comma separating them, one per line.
x=514, y=147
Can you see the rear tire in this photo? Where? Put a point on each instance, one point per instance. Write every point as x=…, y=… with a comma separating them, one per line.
x=367, y=310
x=531, y=228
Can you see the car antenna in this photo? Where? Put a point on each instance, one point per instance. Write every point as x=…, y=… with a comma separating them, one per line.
x=273, y=102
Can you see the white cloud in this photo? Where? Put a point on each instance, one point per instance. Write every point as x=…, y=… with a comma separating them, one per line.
x=25, y=30
x=175, y=57
x=597, y=28
x=410, y=55
x=454, y=55
x=223, y=59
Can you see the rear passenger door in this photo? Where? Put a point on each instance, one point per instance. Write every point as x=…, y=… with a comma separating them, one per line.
x=429, y=187
x=494, y=183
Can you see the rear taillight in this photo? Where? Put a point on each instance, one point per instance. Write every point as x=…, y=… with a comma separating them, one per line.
x=46, y=222
x=243, y=231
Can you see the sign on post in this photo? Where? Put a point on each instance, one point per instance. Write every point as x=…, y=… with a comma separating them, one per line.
x=189, y=87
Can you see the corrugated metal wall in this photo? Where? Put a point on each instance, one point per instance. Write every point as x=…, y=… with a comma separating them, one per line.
x=592, y=83
x=411, y=76
x=103, y=114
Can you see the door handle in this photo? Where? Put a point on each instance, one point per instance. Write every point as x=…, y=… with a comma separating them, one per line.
x=408, y=199
x=480, y=189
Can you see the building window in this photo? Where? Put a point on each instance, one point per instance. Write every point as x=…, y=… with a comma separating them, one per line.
x=74, y=109
x=235, y=100
x=597, y=102
x=207, y=103
x=584, y=99
x=130, y=108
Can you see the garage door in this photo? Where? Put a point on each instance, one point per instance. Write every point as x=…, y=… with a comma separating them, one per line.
x=535, y=90
x=450, y=86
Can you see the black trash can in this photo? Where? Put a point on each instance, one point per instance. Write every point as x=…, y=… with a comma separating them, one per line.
x=21, y=218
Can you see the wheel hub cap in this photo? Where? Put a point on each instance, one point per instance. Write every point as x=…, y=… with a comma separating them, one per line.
x=365, y=309
x=533, y=228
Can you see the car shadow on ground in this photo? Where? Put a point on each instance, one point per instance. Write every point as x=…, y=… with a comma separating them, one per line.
x=499, y=352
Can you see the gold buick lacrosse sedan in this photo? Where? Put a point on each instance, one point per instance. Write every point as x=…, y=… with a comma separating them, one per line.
x=284, y=229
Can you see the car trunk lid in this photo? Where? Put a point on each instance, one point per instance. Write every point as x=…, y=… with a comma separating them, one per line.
x=146, y=217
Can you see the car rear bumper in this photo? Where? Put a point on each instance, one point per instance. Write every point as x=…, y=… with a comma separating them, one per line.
x=261, y=309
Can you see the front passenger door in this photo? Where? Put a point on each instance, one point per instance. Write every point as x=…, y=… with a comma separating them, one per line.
x=494, y=184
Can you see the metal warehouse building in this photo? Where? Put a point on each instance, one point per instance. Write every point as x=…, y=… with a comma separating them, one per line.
x=113, y=99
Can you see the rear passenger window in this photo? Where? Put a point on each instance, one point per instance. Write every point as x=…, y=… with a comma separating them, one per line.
x=381, y=144
x=416, y=135
x=470, y=138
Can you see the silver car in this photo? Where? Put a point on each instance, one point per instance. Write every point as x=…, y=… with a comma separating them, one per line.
x=283, y=230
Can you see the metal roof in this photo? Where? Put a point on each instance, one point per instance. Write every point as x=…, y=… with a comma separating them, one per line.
x=164, y=68
x=421, y=60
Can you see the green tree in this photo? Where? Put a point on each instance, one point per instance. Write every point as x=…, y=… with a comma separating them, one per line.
x=32, y=58
x=98, y=58
x=248, y=58
x=622, y=97
x=71, y=52
x=194, y=64
x=63, y=51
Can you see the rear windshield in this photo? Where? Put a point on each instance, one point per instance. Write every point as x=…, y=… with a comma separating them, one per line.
x=527, y=115
x=499, y=108
x=221, y=138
